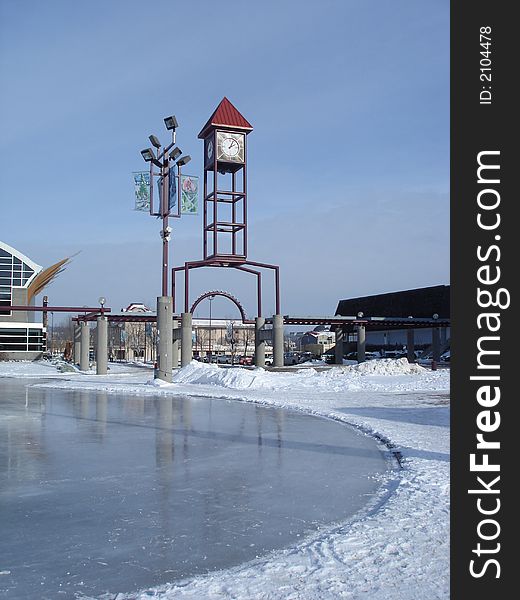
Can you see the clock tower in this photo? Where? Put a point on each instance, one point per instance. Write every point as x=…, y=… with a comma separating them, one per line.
x=225, y=185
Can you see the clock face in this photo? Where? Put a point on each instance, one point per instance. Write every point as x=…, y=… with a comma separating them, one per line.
x=230, y=147
x=209, y=149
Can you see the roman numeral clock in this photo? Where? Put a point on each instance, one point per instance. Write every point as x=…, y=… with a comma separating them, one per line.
x=225, y=184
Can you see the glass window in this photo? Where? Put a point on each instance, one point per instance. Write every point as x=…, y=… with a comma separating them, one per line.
x=12, y=340
x=13, y=331
x=4, y=253
x=22, y=339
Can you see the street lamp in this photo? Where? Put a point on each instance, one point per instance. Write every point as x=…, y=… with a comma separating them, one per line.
x=164, y=158
x=171, y=123
x=175, y=153
x=209, y=342
x=102, y=301
x=52, y=333
x=155, y=141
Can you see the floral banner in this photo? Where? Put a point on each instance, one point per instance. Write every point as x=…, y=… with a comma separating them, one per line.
x=142, y=190
x=189, y=195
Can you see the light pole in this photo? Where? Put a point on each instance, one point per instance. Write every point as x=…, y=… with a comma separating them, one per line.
x=165, y=161
x=120, y=326
x=209, y=342
x=232, y=343
x=52, y=334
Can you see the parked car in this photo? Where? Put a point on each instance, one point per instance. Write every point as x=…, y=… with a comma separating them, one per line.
x=394, y=353
x=291, y=358
x=245, y=360
x=305, y=356
x=210, y=359
x=224, y=359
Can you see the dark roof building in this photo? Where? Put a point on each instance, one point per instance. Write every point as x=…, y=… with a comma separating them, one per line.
x=421, y=303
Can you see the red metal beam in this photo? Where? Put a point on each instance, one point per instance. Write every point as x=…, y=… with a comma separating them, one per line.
x=73, y=309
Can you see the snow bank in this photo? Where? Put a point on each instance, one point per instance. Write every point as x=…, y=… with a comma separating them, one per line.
x=384, y=374
x=29, y=370
x=387, y=366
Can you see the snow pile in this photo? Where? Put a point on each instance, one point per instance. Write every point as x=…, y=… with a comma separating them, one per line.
x=238, y=379
x=383, y=375
x=387, y=366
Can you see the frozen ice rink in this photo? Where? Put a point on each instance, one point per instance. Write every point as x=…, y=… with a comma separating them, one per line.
x=103, y=492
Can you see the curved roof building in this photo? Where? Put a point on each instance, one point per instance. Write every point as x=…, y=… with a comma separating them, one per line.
x=22, y=335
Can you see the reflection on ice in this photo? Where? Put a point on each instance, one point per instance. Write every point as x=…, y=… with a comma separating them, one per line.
x=111, y=493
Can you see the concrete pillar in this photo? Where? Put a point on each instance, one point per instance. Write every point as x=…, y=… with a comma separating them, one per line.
x=436, y=347
x=410, y=345
x=77, y=343
x=102, y=346
x=176, y=344
x=84, y=362
x=164, y=339
x=277, y=340
x=361, y=343
x=338, y=348
x=45, y=314
x=186, y=339
x=259, y=342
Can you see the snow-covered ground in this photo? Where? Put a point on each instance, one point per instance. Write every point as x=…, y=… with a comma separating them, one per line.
x=400, y=550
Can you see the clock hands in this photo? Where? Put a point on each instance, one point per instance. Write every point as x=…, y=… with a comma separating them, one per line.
x=230, y=147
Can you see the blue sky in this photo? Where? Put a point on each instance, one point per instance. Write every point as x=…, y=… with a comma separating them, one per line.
x=348, y=160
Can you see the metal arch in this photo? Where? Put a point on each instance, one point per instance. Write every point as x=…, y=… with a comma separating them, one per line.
x=227, y=295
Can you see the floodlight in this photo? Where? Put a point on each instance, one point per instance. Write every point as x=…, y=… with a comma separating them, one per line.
x=175, y=153
x=184, y=160
x=102, y=300
x=155, y=141
x=148, y=154
x=171, y=122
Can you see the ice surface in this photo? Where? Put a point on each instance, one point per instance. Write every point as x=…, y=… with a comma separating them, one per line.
x=400, y=551
x=114, y=493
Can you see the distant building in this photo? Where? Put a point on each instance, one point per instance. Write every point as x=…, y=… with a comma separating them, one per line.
x=22, y=333
x=22, y=337
x=422, y=303
x=317, y=341
x=138, y=340
x=222, y=336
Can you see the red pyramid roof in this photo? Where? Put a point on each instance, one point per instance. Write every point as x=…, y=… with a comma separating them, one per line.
x=226, y=115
